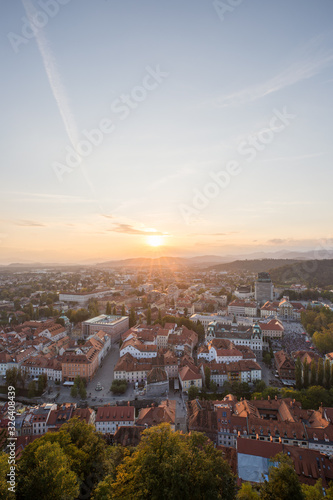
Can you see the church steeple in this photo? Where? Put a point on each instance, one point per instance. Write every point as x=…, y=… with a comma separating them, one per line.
x=256, y=331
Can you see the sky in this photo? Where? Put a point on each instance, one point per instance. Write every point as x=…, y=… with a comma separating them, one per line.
x=179, y=127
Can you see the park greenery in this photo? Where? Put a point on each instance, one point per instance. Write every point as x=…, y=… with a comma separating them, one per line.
x=79, y=388
x=318, y=322
x=119, y=386
x=19, y=379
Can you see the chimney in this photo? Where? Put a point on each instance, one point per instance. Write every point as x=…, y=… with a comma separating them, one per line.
x=269, y=398
x=275, y=397
x=128, y=403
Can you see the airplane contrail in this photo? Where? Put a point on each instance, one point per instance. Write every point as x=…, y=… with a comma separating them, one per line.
x=57, y=87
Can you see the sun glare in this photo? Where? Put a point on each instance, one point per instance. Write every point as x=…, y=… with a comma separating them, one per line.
x=154, y=240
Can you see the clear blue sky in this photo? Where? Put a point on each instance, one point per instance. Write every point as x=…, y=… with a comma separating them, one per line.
x=202, y=86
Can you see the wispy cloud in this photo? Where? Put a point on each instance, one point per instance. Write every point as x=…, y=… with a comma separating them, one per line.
x=28, y=223
x=213, y=234
x=107, y=216
x=278, y=241
x=310, y=61
x=26, y=197
x=294, y=158
x=128, y=229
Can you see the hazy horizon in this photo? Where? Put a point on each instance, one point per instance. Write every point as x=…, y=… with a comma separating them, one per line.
x=180, y=129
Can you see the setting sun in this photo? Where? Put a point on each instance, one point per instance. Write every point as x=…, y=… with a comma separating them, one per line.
x=155, y=240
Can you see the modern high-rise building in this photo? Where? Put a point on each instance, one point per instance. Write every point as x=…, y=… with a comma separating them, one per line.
x=263, y=288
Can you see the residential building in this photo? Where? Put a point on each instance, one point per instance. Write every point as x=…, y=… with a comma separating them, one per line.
x=190, y=376
x=240, y=307
x=165, y=412
x=285, y=366
x=272, y=329
x=83, y=365
x=109, y=418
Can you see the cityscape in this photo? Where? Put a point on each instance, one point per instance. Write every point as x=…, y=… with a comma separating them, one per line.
x=166, y=250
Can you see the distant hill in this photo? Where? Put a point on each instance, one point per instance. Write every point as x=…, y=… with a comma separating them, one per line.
x=310, y=272
x=146, y=262
x=253, y=266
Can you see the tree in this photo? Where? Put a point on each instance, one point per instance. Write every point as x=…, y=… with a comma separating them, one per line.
x=298, y=374
x=320, y=371
x=199, y=329
x=207, y=376
x=159, y=318
x=148, y=316
x=305, y=374
x=85, y=450
x=132, y=318
x=119, y=386
x=51, y=473
x=283, y=483
x=17, y=305
x=213, y=386
x=12, y=377
x=60, y=321
x=29, y=309
x=172, y=466
x=193, y=392
x=313, y=372
x=185, y=312
x=108, y=309
x=314, y=492
x=260, y=385
x=31, y=389
x=79, y=388
x=314, y=397
x=267, y=358
x=123, y=310
x=42, y=382
x=5, y=494
x=79, y=315
x=74, y=391
x=327, y=370
x=114, y=312
x=247, y=493
x=82, y=390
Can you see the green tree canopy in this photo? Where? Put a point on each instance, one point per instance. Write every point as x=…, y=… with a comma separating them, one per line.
x=171, y=466
x=193, y=392
x=283, y=483
x=4, y=470
x=51, y=476
x=247, y=493
x=119, y=386
x=86, y=453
